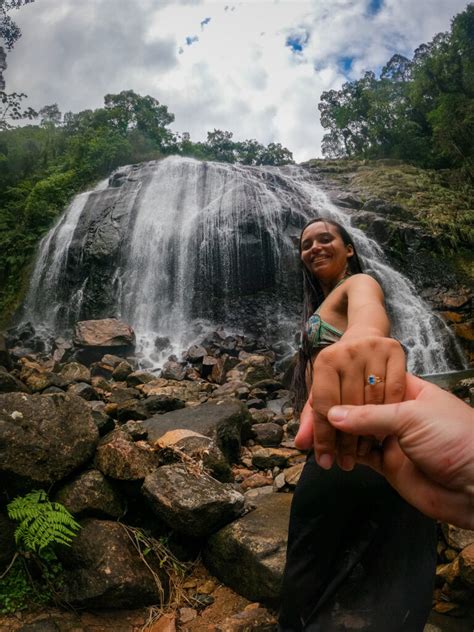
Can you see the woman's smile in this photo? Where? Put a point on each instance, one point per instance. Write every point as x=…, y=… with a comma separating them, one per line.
x=323, y=251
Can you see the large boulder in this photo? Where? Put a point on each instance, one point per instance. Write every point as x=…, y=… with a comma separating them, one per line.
x=121, y=458
x=198, y=447
x=94, y=338
x=91, y=494
x=105, y=570
x=191, y=502
x=75, y=372
x=249, y=554
x=44, y=438
x=225, y=421
x=38, y=377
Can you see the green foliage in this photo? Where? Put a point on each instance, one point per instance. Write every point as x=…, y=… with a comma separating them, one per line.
x=42, y=523
x=35, y=574
x=220, y=146
x=419, y=110
x=30, y=581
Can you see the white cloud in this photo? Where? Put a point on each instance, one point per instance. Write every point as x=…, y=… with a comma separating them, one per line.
x=239, y=75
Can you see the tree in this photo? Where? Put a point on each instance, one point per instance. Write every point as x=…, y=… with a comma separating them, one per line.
x=129, y=111
x=11, y=109
x=50, y=116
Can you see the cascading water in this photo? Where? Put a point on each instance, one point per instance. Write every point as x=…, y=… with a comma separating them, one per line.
x=178, y=245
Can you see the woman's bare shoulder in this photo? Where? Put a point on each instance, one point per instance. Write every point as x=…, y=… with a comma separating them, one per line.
x=362, y=281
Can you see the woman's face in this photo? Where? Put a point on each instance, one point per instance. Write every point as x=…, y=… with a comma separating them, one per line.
x=323, y=252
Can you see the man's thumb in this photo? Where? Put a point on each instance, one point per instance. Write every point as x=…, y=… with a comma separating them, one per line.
x=379, y=419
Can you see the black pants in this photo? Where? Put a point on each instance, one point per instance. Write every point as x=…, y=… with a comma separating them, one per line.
x=359, y=557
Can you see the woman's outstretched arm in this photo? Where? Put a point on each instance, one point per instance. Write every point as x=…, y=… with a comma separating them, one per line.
x=341, y=375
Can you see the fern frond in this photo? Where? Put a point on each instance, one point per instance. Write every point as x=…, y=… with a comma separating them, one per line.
x=42, y=522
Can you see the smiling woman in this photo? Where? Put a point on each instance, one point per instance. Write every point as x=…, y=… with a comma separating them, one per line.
x=359, y=557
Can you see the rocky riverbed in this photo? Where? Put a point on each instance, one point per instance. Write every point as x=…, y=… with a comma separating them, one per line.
x=195, y=461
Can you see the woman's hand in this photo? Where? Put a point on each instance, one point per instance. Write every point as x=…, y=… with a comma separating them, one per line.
x=428, y=456
x=341, y=377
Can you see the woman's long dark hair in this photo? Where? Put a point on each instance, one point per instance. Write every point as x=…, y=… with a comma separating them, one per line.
x=313, y=296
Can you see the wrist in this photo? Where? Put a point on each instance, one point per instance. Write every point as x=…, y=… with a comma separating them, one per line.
x=355, y=332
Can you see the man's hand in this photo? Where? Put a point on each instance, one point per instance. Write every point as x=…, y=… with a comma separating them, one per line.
x=428, y=455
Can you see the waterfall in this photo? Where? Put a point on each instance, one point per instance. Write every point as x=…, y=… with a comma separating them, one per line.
x=177, y=246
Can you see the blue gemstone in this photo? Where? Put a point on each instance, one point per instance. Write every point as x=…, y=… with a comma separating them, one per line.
x=371, y=380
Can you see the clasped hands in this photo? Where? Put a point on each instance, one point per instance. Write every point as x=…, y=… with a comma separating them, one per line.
x=341, y=376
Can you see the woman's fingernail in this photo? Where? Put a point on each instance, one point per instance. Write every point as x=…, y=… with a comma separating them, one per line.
x=325, y=461
x=347, y=463
x=337, y=413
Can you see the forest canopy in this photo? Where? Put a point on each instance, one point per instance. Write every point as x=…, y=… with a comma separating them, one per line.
x=420, y=110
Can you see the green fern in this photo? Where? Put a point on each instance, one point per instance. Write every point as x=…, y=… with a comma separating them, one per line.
x=42, y=522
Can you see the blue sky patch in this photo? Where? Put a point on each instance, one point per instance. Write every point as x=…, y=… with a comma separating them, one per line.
x=190, y=40
x=345, y=64
x=375, y=6
x=297, y=41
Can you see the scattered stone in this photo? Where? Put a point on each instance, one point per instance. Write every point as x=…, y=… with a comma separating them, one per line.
x=119, y=457
x=84, y=390
x=263, y=416
x=166, y=623
x=162, y=404
x=249, y=554
x=466, y=565
x=74, y=372
x=292, y=474
x=268, y=458
x=103, y=422
x=252, y=618
x=135, y=429
x=108, y=332
x=457, y=538
x=255, y=480
x=104, y=570
x=120, y=394
x=191, y=503
x=196, y=353
x=267, y=434
x=122, y=371
x=131, y=409
x=139, y=377
x=173, y=371
x=225, y=422
x=255, y=495
x=10, y=384
x=36, y=377
x=279, y=482
x=91, y=494
x=44, y=438
x=448, y=573
x=230, y=389
x=186, y=615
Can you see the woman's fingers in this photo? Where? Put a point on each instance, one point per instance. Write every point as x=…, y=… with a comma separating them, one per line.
x=352, y=392
x=325, y=392
x=304, y=437
x=395, y=380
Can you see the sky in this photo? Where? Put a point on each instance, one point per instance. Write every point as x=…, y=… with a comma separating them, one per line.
x=254, y=68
